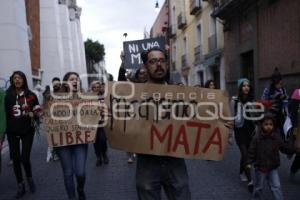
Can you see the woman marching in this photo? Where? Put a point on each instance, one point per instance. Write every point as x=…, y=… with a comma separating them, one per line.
x=277, y=97
x=73, y=157
x=22, y=107
x=243, y=127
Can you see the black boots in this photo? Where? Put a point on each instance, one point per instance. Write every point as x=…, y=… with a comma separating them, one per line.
x=105, y=158
x=98, y=162
x=20, y=190
x=80, y=188
x=31, y=185
x=101, y=159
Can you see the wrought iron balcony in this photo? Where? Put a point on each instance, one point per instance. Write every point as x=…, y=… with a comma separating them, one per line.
x=212, y=42
x=184, y=63
x=198, y=55
x=225, y=9
x=181, y=20
x=172, y=31
x=195, y=7
x=173, y=66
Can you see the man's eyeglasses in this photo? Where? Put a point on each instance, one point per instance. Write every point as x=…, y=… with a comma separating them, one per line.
x=155, y=61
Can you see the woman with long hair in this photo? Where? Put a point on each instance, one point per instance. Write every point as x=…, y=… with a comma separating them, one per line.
x=22, y=107
x=243, y=127
x=210, y=84
x=73, y=157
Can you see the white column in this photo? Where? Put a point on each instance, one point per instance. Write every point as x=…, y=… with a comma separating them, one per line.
x=66, y=38
x=14, y=43
x=52, y=56
x=76, y=51
x=74, y=36
x=82, y=69
x=77, y=44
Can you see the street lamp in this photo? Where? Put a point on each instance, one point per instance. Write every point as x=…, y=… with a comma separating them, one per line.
x=156, y=6
x=125, y=35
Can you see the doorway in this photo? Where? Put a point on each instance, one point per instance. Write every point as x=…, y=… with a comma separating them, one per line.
x=247, y=67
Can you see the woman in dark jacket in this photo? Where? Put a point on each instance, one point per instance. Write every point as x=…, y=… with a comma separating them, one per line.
x=294, y=111
x=243, y=127
x=22, y=107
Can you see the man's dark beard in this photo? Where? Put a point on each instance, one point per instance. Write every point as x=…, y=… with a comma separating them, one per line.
x=56, y=89
x=159, y=80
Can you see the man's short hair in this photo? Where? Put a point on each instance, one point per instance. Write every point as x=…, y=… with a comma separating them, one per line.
x=55, y=79
x=144, y=54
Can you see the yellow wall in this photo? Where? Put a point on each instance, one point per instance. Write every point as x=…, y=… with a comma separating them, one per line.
x=190, y=31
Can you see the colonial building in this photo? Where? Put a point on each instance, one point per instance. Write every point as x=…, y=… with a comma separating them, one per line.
x=14, y=41
x=259, y=36
x=41, y=38
x=196, y=42
x=62, y=47
x=161, y=24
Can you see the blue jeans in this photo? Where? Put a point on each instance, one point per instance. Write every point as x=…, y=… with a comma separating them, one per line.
x=73, y=162
x=155, y=172
x=273, y=180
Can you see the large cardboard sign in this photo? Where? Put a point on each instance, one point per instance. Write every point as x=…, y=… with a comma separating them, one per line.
x=133, y=50
x=71, y=121
x=176, y=121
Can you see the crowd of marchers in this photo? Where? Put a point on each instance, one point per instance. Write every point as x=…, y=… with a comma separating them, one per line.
x=259, y=141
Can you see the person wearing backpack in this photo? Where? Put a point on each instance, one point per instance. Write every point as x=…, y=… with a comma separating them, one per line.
x=277, y=97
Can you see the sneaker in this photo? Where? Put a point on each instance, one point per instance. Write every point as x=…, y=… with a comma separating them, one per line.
x=250, y=186
x=130, y=160
x=243, y=177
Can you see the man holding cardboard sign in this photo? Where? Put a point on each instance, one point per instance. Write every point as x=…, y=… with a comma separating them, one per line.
x=164, y=124
x=152, y=171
